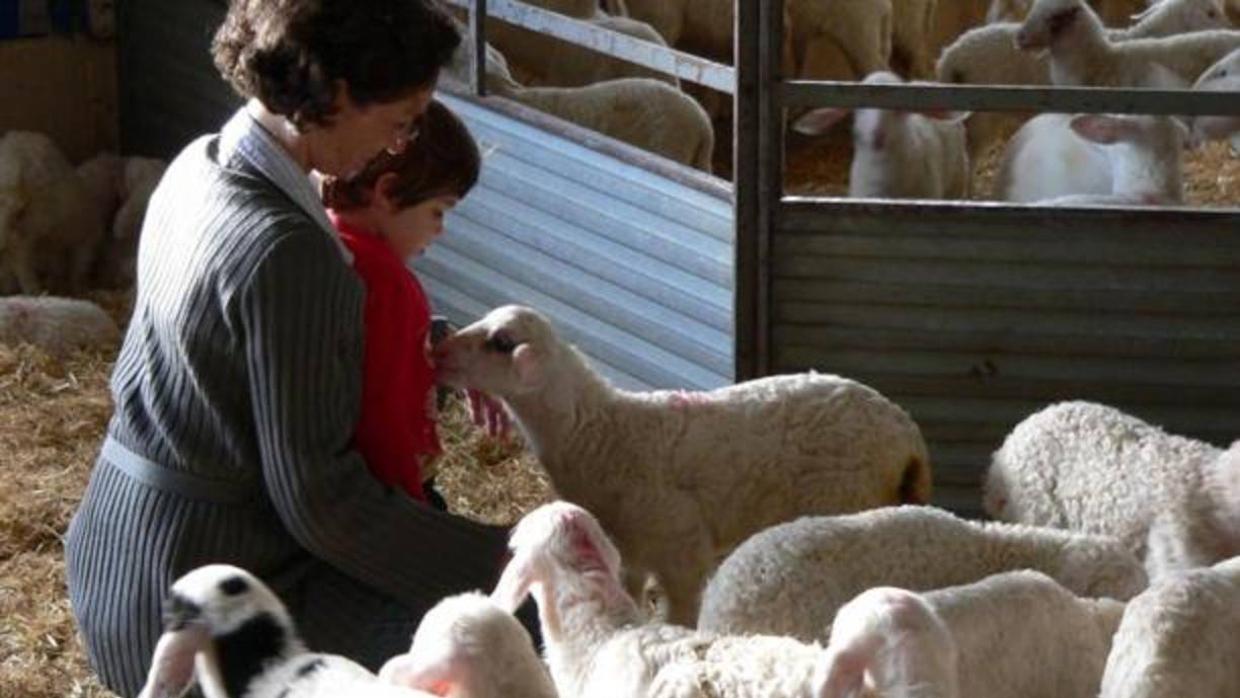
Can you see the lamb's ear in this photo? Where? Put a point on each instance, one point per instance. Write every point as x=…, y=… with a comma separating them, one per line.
x=528, y=366
x=817, y=122
x=839, y=674
x=514, y=584
x=434, y=677
x=1101, y=128
x=172, y=666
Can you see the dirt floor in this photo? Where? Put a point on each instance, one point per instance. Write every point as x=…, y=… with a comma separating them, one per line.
x=52, y=417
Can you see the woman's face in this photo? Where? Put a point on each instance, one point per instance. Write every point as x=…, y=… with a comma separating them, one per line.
x=357, y=134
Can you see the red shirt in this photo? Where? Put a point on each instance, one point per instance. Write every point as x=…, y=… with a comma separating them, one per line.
x=396, y=430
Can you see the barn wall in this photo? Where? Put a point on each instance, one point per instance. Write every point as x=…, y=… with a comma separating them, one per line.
x=974, y=320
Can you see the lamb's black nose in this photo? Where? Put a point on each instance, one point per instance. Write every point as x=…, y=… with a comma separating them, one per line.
x=179, y=612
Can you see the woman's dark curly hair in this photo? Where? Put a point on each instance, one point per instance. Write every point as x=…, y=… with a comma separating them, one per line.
x=442, y=160
x=290, y=54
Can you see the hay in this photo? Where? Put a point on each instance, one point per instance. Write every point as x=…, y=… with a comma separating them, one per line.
x=52, y=418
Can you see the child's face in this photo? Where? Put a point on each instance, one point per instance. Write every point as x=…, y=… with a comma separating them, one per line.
x=412, y=229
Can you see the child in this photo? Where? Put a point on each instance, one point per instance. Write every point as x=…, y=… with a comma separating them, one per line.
x=387, y=213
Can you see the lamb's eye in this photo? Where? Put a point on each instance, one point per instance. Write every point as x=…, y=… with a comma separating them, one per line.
x=501, y=342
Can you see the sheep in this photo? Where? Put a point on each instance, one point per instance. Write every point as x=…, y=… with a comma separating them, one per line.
x=790, y=579
x=547, y=61
x=900, y=155
x=120, y=188
x=912, y=21
x=1223, y=76
x=48, y=232
x=597, y=644
x=1124, y=158
x=988, y=55
x=225, y=629
x=56, y=325
x=645, y=113
x=1082, y=54
x=679, y=478
x=1203, y=529
x=889, y=643
x=469, y=647
x=1003, y=632
x=1092, y=468
x=1112, y=12
x=1179, y=638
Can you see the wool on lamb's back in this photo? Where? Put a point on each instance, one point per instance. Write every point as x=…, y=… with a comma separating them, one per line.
x=792, y=578
x=679, y=478
x=1092, y=468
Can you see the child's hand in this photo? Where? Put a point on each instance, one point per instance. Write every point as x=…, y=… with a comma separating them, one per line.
x=489, y=413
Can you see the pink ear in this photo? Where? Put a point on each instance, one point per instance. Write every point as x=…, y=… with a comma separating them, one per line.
x=404, y=670
x=172, y=665
x=525, y=362
x=818, y=121
x=840, y=674
x=514, y=583
x=1101, y=128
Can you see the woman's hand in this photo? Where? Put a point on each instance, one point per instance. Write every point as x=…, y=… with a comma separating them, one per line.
x=488, y=413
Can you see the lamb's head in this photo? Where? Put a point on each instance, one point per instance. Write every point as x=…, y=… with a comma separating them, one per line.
x=1049, y=21
x=227, y=619
x=468, y=646
x=561, y=556
x=896, y=639
x=1145, y=152
x=997, y=498
x=1099, y=566
x=873, y=129
x=508, y=352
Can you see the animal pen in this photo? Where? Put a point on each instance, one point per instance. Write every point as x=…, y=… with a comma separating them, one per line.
x=970, y=315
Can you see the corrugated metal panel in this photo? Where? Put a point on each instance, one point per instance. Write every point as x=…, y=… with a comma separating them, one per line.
x=633, y=268
x=170, y=92
x=972, y=320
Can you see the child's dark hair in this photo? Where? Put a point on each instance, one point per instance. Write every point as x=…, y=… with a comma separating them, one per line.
x=442, y=160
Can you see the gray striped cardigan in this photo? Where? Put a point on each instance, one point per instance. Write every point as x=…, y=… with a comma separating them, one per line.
x=236, y=394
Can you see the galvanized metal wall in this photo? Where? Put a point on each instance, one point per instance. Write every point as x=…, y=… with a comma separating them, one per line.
x=972, y=320
x=634, y=268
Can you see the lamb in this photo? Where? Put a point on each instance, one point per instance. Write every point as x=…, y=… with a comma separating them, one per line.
x=1223, y=76
x=885, y=640
x=546, y=61
x=1112, y=12
x=56, y=325
x=120, y=188
x=1004, y=631
x=1082, y=54
x=988, y=55
x=645, y=113
x=48, y=233
x=1203, y=529
x=209, y=609
x=679, y=478
x=467, y=646
x=1088, y=467
x=900, y=155
x=597, y=644
x=1133, y=159
x=1179, y=638
x=791, y=579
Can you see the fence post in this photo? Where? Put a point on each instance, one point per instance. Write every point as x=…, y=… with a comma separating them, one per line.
x=478, y=47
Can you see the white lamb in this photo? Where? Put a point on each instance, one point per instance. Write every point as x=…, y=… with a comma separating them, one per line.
x=988, y=55
x=56, y=325
x=1112, y=12
x=1179, y=638
x=791, y=579
x=1016, y=634
x=597, y=645
x=1081, y=53
x=645, y=113
x=898, y=154
x=48, y=229
x=468, y=647
x=680, y=478
x=120, y=187
x=1092, y=468
x=206, y=610
x=1223, y=76
x=1059, y=159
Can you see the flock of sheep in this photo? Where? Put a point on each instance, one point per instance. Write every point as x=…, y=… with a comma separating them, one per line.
x=759, y=516
x=1054, y=159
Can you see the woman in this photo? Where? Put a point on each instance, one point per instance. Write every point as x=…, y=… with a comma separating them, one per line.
x=237, y=389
